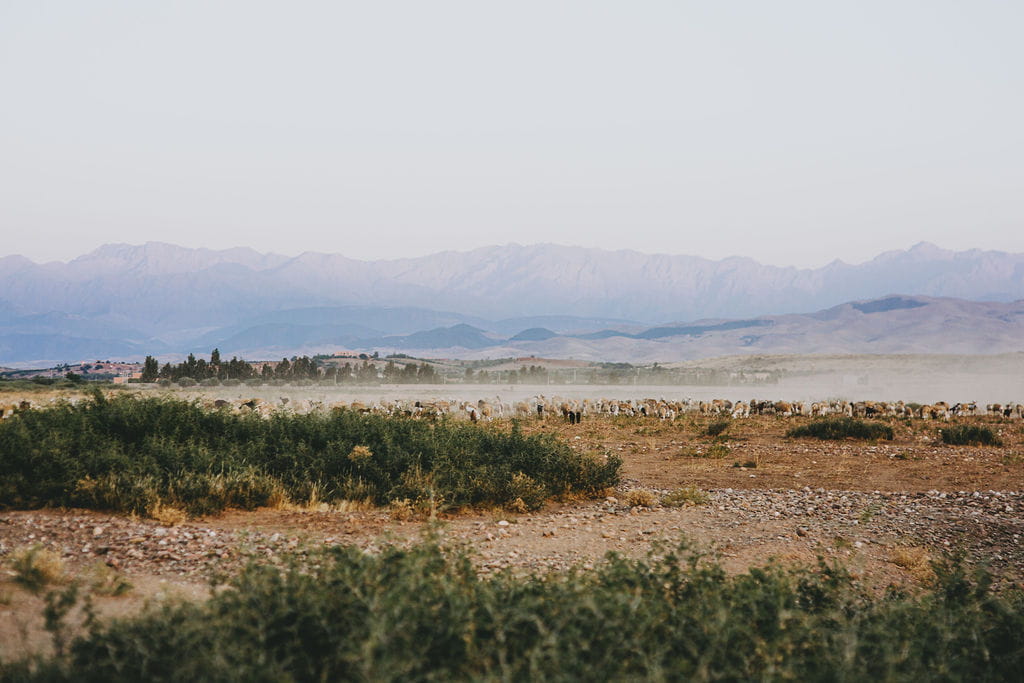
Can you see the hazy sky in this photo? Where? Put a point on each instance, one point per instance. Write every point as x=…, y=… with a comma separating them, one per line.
x=791, y=132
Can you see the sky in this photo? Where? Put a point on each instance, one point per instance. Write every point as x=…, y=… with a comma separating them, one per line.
x=794, y=133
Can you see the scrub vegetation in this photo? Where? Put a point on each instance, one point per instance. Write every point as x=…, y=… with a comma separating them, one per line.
x=423, y=613
x=837, y=428
x=154, y=455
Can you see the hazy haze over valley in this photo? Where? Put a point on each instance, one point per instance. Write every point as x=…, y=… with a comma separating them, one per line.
x=131, y=300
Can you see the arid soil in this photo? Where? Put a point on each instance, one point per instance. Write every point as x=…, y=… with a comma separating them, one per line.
x=883, y=509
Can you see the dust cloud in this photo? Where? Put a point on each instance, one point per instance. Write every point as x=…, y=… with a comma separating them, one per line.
x=917, y=379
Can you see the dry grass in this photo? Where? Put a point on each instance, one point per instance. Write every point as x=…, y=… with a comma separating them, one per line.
x=641, y=498
x=277, y=497
x=360, y=454
x=518, y=505
x=915, y=559
x=36, y=567
x=364, y=505
x=314, y=505
x=102, y=580
x=717, y=451
x=402, y=510
x=167, y=515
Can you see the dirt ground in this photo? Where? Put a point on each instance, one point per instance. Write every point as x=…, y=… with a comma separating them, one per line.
x=678, y=453
x=883, y=509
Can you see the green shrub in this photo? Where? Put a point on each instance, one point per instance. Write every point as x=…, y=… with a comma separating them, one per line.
x=690, y=495
x=835, y=428
x=717, y=427
x=132, y=454
x=423, y=613
x=718, y=451
x=969, y=435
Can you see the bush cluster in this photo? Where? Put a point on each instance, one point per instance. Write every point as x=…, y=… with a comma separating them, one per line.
x=134, y=455
x=717, y=427
x=424, y=614
x=838, y=428
x=970, y=435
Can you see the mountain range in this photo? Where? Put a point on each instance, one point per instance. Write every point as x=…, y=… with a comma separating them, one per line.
x=126, y=301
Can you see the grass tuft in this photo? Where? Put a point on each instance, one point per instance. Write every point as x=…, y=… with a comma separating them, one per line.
x=969, y=435
x=36, y=567
x=838, y=428
x=641, y=498
x=690, y=495
x=916, y=560
x=717, y=427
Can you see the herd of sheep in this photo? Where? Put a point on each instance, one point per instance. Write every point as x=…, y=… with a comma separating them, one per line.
x=575, y=410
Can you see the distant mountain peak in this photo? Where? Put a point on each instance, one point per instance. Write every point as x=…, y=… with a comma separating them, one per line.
x=163, y=257
x=928, y=250
x=178, y=295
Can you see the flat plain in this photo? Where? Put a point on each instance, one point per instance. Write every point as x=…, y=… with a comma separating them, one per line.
x=747, y=495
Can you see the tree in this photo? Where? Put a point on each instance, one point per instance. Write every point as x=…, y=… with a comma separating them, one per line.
x=304, y=368
x=367, y=373
x=215, y=358
x=426, y=374
x=237, y=369
x=150, y=369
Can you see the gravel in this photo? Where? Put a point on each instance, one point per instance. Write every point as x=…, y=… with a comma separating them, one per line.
x=751, y=524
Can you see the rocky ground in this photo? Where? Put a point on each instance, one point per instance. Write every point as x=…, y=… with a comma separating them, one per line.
x=742, y=526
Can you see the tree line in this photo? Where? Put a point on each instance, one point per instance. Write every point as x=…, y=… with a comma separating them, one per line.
x=296, y=368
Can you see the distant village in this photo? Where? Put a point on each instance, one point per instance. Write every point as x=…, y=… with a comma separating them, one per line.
x=118, y=372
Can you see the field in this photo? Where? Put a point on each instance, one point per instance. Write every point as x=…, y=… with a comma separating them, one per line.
x=889, y=512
